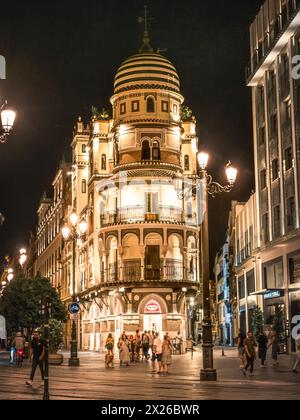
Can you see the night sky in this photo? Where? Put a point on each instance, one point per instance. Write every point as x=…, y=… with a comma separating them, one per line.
x=61, y=60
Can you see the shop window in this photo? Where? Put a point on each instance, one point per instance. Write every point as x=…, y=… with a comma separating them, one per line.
x=186, y=163
x=150, y=105
x=103, y=162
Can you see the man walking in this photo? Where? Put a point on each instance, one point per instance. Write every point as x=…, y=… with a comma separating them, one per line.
x=262, y=347
x=241, y=351
x=37, y=353
x=249, y=345
x=157, y=353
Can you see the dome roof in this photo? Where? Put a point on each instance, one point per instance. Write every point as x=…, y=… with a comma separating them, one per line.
x=146, y=70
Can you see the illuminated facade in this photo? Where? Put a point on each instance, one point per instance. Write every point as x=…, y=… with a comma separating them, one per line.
x=138, y=265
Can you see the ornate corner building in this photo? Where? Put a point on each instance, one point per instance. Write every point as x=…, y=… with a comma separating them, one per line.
x=138, y=265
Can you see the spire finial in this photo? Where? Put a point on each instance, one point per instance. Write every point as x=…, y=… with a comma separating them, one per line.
x=146, y=47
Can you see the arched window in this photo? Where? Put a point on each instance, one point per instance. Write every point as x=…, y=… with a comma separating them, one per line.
x=103, y=162
x=186, y=163
x=150, y=104
x=155, y=151
x=145, y=150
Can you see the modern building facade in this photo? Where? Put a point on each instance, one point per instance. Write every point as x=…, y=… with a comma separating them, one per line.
x=275, y=41
x=138, y=266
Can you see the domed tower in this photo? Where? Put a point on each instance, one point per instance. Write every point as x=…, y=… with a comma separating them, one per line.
x=144, y=234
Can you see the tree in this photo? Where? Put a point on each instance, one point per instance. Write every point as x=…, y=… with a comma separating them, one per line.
x=257, y=321
x=278, y=323
x=55, y=335
x=186, y=113
x=21, y=303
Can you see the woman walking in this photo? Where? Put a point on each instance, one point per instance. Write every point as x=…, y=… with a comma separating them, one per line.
x=124, y=352
x=166, y=359
x=131, y=348
x=274, y=344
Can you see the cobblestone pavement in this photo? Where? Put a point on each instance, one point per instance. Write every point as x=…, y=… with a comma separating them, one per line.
x=91, y=381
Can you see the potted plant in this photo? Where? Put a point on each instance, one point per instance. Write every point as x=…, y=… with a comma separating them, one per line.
x=55, y=341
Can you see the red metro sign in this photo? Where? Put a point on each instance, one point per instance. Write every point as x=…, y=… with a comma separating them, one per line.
x=152, y=307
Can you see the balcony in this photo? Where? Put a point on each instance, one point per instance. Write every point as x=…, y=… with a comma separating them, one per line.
x=132, y=271
x=138, y=214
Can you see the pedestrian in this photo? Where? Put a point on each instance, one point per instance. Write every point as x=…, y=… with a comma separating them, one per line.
x=124, y=353
x=297, y=341
x=157, y=353
x=178, y=342
x=145, y=345
x=37, y=353
x=151, y=339
x=262, y=341
x=138, y=344
x=241, y=350
x=166, y=358
x=274, y=344
x=131, y=348
x=109, y=345
x=249, y=346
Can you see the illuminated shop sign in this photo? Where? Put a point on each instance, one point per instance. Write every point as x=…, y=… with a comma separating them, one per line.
x=272, y=295
x=152, y=307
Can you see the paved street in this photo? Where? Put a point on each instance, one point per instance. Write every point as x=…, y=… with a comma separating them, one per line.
x=92, y=381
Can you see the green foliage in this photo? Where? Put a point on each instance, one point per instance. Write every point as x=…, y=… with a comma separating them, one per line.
x=21, y=303
x=55, y=335
x=278, y=323
x=186, y=113
x=257, y=321
x=97, y=115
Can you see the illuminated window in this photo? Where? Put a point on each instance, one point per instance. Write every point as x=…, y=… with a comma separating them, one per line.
x=135, y=106
x=83, y=186
x=165, y=106
x=150, y=105
x=123, y=108
x=103, y=162
x=186, y=163
x=155, y=151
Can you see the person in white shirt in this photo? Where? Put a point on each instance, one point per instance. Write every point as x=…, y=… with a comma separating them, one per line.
x=157, y=354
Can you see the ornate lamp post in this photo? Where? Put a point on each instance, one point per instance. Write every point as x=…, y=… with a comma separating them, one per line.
x=7, y=121
x=212, y=188
x=208, y=187
x=71, y=232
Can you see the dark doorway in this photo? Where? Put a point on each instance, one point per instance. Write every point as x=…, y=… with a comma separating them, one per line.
x=152, y=262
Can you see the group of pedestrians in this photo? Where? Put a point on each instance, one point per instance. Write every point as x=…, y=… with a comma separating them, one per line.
x=137, y=347
x=248, y=345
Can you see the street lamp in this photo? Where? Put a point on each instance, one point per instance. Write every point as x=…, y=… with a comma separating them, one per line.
x=210, y=187
x=23, y=257
x=70, y=233
x=10, y=274
x=7, y=121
